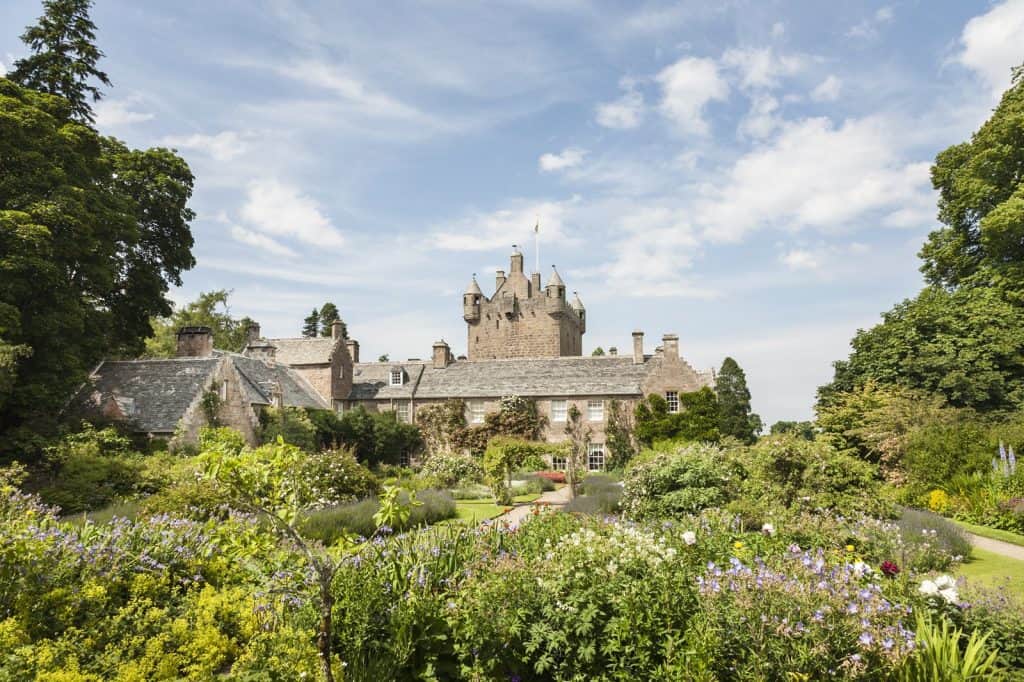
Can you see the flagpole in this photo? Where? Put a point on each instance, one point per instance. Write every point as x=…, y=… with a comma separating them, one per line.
x=536, y=245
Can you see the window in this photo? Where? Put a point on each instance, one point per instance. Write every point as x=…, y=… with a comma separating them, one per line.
x=595, y=410
x=476, y=412
x=396, y=377
x=595, y=457
x=558, y=463
x=403, y=459
x=339, y=408
x=672, y=398
x=341, y=372
x=402, y=412
x=224, y=391
x=558, y=411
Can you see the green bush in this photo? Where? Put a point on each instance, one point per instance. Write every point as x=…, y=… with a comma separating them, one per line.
x=683, y=480
x=337, y=477
x=292, y=424
x=451, y=469
x=356, y=518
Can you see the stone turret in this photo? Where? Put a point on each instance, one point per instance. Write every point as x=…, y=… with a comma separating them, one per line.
x=471, y=301
x=577, y=305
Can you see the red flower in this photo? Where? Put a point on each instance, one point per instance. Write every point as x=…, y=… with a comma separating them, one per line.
x=890, y=569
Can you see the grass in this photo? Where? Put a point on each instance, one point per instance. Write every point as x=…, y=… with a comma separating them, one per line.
x=992, y=533
x=994, y=570
x=475, y=511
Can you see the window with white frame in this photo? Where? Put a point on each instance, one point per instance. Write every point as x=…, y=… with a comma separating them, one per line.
x=595, y=410
x=558, y=410
x=476, y=412
x=339, y=408
x=396, y=377
x=672, y=398
x=223, y=390
x=595, y=457
x=402, y=412
x=558, y=463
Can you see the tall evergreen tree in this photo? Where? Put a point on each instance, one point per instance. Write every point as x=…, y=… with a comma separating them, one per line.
x=64, y=56
x=328, y=316
x=734, y=416
x=311, y=325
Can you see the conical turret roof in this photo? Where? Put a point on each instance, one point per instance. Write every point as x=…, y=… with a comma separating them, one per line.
x=473, y=287
x=576, y=303
x=555, y=280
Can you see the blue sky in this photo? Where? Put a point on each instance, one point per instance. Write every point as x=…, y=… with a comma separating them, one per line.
x=752, y=176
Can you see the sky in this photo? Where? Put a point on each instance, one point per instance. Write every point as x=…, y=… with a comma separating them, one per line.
x=752, y=176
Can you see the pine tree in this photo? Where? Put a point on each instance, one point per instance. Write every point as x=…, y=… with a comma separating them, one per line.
x=311, y=325
x=64, y=56
x=328, y=316
x=598, y=352
x=734, y=416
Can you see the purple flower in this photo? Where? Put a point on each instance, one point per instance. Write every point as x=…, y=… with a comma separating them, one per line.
x=865, y=639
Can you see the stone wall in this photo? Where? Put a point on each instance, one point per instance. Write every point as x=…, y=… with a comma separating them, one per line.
x=332, y=381
x=531, y=332
x=234, y=411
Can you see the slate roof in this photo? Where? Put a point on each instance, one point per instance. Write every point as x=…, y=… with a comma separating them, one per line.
x=561, y=376
x=371, y=380
x=303, y=351
x=162, y=390
x=262, y=377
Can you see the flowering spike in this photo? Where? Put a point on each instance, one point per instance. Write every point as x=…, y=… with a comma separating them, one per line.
x=1012, y=461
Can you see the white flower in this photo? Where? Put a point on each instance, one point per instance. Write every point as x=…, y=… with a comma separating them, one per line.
x=861, y=569
x=689, y=537
x=928, y=587
x=944, y=581
x=768, y=529
x=950, y=594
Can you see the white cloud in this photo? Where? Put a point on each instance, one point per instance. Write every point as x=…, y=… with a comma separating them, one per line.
x=569, y=158
x=623, y=113
x=827, y=90
x=868, y=29
x=223, y=146
x=112, y=113
x=761, y=67
x=818, y=176
x=279, y=209
x=993, y=43
x=800, y=259
x=761, y=121
x=778, y=29
x=687, y=86
x=506, y=226
x=261, y=241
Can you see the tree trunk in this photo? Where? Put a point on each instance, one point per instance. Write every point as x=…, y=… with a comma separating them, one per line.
x=324, y=638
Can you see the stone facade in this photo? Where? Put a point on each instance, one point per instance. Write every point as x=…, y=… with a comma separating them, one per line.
x=522, y=320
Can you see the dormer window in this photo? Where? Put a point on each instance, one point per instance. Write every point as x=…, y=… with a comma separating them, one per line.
x=396, y=377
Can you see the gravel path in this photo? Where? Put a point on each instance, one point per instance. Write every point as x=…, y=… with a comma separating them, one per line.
x=554, y=498
x=997, y=546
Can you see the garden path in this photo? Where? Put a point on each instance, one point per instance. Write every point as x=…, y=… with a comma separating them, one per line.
x=554, y=498
x=997, y=546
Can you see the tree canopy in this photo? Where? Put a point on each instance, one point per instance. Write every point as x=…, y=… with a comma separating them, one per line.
x=696, y=420
x=92, y=234
x=211, y=310
x=328, y=316
x=734, y=415
x=64, y=57
x=311, y=324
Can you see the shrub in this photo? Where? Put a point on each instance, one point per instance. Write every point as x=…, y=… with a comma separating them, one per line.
x=601, y=495
x=553, y=476
x=337, y=477
x=291, y=424
x=503, y=456
x=331, y=523
x=933, y=538
x=451, y=469
x=681, y=481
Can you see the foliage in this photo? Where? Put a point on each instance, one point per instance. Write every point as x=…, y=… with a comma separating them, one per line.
x=92, y=234
x=618, y=436
x=329, y=524
x=597, y=352
x=804, y=430
x=577, y=442
x=516, y=417
x=938, y=655
x=452, y=469
x=378, y=437
x=503, y=456
x=442, y=425
x=64, y=57
x=311, y=324
x=697, y=419
x=734, y=415
x=601, y=495
x=290, y=423
x=682, y=480
x=336, y=476
x=328, y=316
x=394, y=512
x=210, y=309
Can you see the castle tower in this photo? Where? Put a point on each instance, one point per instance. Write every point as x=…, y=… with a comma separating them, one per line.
x=521, y=320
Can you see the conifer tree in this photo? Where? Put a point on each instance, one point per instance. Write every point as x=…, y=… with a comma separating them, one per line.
x=64, y=57
x=311, y=325
x=734, y=416
x=328, y=316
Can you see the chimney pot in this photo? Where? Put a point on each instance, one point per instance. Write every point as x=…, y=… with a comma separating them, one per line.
x=337, y=329
x=442, y=355
x=612, y=350
x=670, y=344
x=499, y=279
x=353, y=350
x=195, y=342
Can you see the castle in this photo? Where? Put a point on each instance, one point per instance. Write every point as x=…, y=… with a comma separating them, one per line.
x=523, y=340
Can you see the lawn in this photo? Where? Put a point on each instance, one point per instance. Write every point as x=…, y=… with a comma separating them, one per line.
x=992, y=533
x=995, y=570
x=475, y=511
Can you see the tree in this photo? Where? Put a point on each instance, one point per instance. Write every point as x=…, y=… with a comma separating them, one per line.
x=803, y=430
x=64, y=57
x=598, y=352
x=211, y=310
x=92, y=235
x=502, y=457
x=383, y=358
x=734, y=416
x=579, y=434
x=618, y=435
x=311, y=325
x=328, y=316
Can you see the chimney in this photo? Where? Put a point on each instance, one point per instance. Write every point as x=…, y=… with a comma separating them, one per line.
x=638, y=347
x=499, y=279
x=353, y=350
x=337, y=329
x=442, y=355
x=613, y=351
x=535, y=284
x=517, y=261
x=670, y=343
x=252, y=334
x=195, y=342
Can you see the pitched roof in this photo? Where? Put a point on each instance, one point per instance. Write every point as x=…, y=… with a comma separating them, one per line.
x=161, y=390
x=262, y=377
x=561, y=376
x=372, y=380
x=304, y=351
x=474, y=288
x=555, y=280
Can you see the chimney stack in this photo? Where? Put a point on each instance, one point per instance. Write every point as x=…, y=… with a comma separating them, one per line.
x=353, y=350
x=517, y=261
x=638, y=347
x=337, y=329
x=252, y=334
x=670, y=343
x=442, y=355
x=535, y=284
x=195, y=342
x=499, y=279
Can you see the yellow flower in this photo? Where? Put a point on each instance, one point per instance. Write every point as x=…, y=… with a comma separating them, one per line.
x=849, y=548
x=738, y=544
